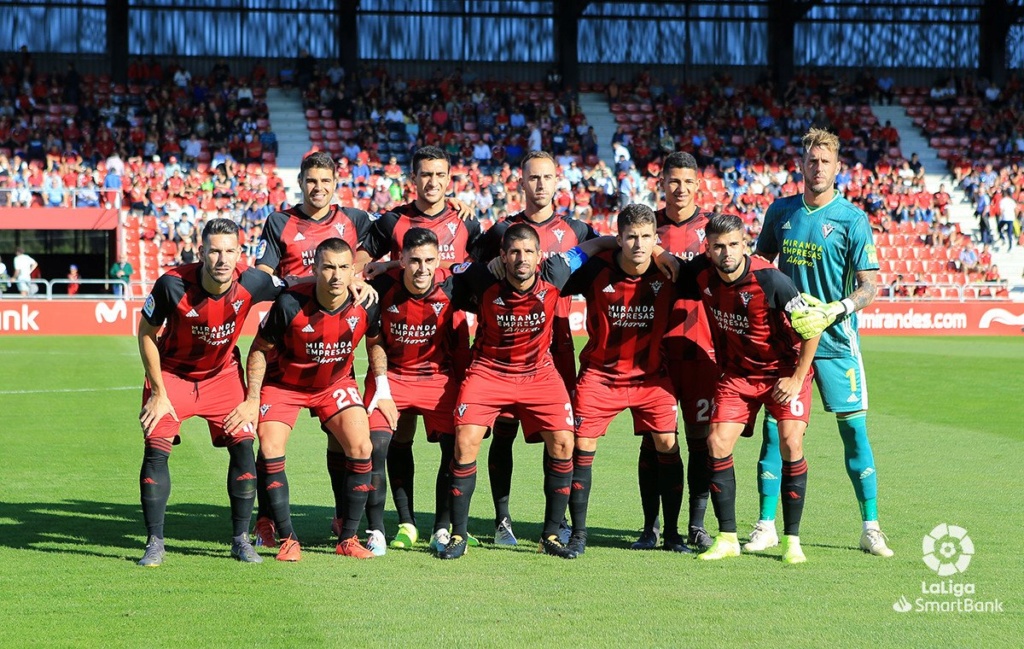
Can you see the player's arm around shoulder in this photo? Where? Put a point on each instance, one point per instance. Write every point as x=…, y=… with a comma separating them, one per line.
x=268, y=250
x=263, y=287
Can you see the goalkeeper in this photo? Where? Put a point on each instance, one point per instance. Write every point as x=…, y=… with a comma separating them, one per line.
x=823, y=243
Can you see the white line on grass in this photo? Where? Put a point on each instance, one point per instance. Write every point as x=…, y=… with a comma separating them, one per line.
x=129, y=387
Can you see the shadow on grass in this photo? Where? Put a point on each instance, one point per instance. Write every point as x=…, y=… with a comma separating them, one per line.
x=104, y=529
x=116, y=530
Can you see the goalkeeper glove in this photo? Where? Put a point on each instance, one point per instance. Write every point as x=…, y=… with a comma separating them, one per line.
x=818, y=316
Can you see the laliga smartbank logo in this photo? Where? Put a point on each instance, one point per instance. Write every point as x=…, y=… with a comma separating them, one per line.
x=947, y=550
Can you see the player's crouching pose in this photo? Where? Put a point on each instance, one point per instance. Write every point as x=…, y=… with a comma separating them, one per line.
x=193, y=370
x=763, y=362
x=314, y=330
x=419, y=335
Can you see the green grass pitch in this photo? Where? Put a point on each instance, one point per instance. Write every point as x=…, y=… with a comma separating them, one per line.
x=946, y=425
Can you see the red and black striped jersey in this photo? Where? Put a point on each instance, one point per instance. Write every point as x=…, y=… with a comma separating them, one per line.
x=557, y=234
x=513, y=328
x=627, y=316
x=202, y=329
x=417, y=330
x=455, y=237
x=749, y=317
x=314, y=347
x=688, y=336
x=290, y=237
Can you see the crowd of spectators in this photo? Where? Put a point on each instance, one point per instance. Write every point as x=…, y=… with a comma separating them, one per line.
x=490, y=123
x=180, y=148
x=68, y=139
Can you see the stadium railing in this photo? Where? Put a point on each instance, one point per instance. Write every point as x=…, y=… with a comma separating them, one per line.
x=107, y=198
x=44, y=289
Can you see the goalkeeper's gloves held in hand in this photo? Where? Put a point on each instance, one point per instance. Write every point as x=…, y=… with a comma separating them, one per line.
x=819, y=316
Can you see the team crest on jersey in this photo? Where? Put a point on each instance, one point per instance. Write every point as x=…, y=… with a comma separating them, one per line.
x=236, y=305
x=577, y=421
x=827, y=229
x=559, y=233
x=352, y=322
x=745, y=297
x=452, y=227
x=261, y=249
x=264, y=408
x=462, y=409
x=701, y=234
x=787, y=226
x=542, y=294
x=149, y=306
x=340, y=227
x=656, y=286
x=461, y=268
x=437, y=307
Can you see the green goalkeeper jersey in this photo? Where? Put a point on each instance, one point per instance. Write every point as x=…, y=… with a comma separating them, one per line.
x=821, y=250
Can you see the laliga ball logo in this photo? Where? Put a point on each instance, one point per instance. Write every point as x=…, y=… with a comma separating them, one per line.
x=947, y=549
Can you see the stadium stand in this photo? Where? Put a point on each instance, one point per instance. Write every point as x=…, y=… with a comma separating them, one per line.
x=185, y=148
x=171, y=148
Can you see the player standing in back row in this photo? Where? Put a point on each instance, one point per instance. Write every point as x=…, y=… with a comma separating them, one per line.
x=824, y=245
x=690, y=355
x=456, y=235
x=287, y=248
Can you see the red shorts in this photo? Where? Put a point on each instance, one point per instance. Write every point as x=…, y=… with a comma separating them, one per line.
x=694, y=385
x=538, y=400
x=212, y=399
x=651, y=403
x=432, y=397
x=738, y=399
x=282, y=403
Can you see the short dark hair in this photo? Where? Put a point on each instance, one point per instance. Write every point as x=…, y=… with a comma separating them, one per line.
x=679, y=160
x=416, y=237
x=636, y=214
x=219, y=226
x=519, y=232
x=429, y=153
x=723, y=224
x=318, y=160
x=334, y=244
x=537, y=155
